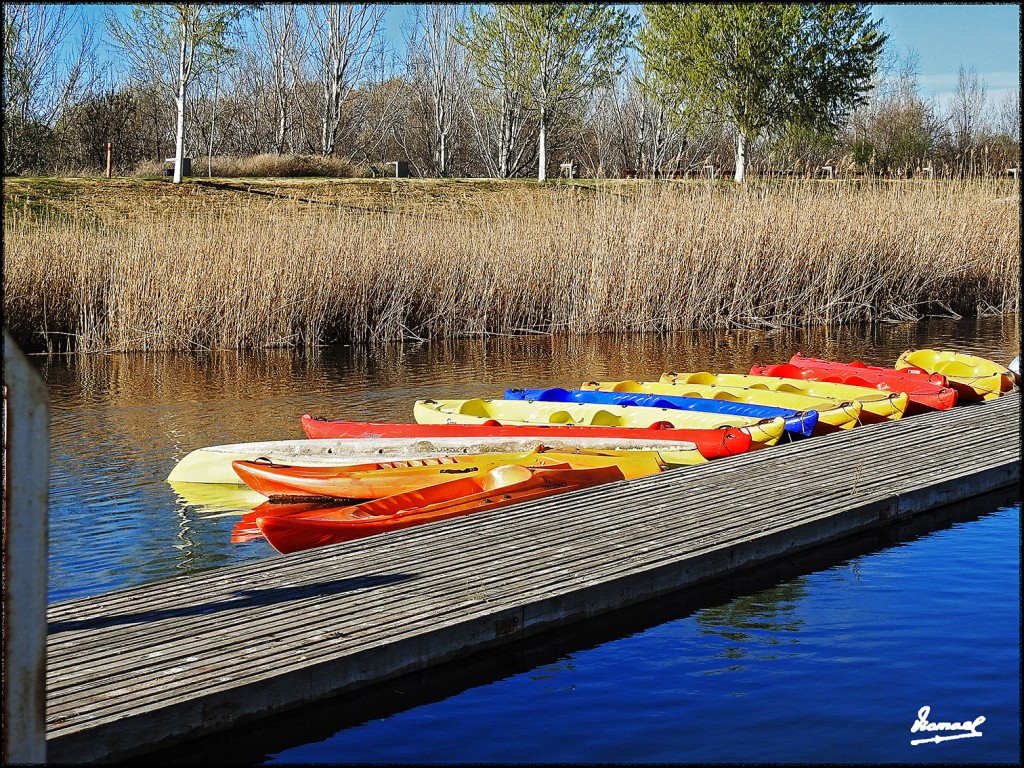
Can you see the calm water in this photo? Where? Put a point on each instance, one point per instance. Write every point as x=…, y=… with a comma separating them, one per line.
x=828, y=661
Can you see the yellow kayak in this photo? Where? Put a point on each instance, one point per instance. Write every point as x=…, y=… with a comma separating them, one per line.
x=478, y=411
x=832, y=413
x=974, y=378
x=875, y=405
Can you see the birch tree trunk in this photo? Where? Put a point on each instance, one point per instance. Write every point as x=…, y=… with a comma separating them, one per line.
x=213, y=126
x=741, y=155
x=504, y=140
x=542, y=150
x=179, y=104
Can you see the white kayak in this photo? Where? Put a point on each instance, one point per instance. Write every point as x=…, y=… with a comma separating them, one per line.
x=213, y=463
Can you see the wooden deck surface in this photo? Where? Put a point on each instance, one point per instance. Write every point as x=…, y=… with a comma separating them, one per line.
x=136, y=670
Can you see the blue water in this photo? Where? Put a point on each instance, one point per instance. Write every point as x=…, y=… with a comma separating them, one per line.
x=829, y=667
x=828, y=663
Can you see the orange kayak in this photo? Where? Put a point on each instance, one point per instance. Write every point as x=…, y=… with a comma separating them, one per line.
x=498, y=487
x=286, y=482
x=925, y=391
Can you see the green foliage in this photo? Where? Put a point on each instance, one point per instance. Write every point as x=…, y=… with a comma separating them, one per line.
x=490, y=46
x=549, y=55
x=568, y=48
x=168, y=42
x=763, y=67
x=549, y=51
x=863, y=152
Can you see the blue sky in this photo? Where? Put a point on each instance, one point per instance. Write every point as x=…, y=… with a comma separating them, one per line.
x=982, y=36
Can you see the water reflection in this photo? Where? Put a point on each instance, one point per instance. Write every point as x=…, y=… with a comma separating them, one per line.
x=755, y=626
x=213, y=500
x=119, y=423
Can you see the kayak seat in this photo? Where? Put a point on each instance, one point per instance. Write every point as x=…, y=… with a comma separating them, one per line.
x=475, y=407
x=603, y=418
x=504, y=475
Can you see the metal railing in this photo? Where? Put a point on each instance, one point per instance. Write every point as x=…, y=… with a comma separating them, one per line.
x=26, y=468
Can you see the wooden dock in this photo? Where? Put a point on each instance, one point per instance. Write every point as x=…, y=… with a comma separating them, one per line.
x=138, y=670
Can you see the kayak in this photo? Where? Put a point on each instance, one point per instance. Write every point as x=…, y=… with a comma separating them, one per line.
x=712, y=443
x=925, y=391
x=875, y=406
x=212, y=464
x=833, y=415
x=284, y=482
x=974, y=378
x=798, y=423
x=478, y=411
x=497, y=487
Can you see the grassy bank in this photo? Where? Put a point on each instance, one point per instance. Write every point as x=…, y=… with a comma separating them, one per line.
x=143, y=264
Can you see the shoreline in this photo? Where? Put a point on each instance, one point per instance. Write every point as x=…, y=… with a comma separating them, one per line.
x=145, y=265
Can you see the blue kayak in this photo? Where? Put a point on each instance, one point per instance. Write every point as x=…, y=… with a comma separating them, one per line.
x=798, y=423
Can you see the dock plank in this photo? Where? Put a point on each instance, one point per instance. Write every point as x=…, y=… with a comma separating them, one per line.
x=137, y=670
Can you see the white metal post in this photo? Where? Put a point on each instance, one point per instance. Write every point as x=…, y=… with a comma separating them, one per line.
x=26, y=468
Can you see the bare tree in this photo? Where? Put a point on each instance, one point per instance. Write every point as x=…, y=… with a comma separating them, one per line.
x=342, y=36
x=45, y=70
x=601, y=156
x=650, y=138
x=1008, y=118
x=438, y=61
x=896, y=131
x=376, y=109
x=281, y=42
x=502, y=129
x=966, y=111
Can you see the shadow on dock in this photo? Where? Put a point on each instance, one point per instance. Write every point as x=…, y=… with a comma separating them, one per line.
x=253, y=743
x=246, y=598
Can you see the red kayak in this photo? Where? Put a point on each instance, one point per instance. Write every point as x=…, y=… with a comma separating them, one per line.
x=712, y=443
x=926, y=391
x=498, y=487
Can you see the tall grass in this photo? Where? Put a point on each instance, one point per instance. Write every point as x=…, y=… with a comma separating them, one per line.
x=576, y=261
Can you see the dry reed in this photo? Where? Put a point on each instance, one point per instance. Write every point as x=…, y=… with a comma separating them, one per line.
x=569, y=259
x=268, y=165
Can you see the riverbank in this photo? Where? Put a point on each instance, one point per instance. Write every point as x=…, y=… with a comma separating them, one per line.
x=141, y=264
